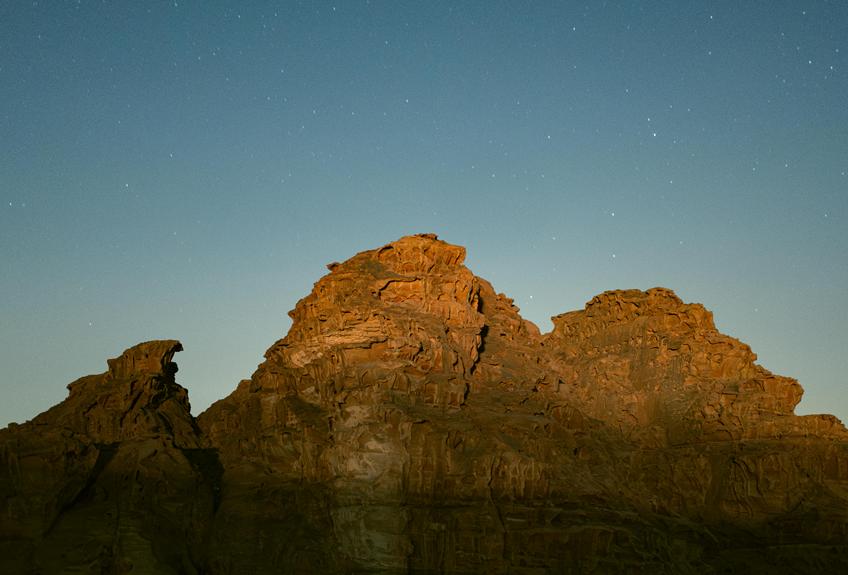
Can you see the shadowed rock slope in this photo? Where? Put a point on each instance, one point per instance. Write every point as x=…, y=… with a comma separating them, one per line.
x=412, y=422
x=112, y=480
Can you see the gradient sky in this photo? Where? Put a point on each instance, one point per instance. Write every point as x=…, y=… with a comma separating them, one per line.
x=186, y=169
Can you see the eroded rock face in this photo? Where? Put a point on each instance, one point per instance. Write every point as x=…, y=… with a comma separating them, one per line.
x=434, y=429
x=660, y=370
x=113, y=479
x=412, y=421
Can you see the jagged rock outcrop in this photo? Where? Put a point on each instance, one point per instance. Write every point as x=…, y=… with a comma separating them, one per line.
x=660, y=370
x=112, y=480
x=412, y=421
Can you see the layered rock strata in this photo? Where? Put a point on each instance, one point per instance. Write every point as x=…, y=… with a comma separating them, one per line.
x=412, y=421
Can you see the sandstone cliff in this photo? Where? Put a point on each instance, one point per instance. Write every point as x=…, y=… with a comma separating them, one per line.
x=112, y=480
x=412, y=421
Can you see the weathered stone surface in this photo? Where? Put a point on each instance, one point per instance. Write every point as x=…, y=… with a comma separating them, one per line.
x=658, y=369
x=412, y=421
x=111, y=480
x=436, y=430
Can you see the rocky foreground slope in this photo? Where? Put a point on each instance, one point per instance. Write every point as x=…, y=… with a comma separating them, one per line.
x=412, y=422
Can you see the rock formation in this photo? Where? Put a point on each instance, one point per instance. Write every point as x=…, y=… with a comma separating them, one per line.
x=112, y=480
x=412, y=422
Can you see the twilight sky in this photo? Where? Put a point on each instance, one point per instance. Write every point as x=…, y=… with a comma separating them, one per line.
x=186, y=169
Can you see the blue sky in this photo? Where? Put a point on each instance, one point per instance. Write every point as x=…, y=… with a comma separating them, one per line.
x=185, y=170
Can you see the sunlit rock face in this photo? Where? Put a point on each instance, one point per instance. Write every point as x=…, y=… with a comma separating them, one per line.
x=660, y=371
x=412, y=421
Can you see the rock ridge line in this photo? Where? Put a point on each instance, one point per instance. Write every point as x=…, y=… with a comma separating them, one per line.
x=411, y=421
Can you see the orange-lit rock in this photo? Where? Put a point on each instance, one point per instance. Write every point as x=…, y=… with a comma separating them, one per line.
x=412, y=421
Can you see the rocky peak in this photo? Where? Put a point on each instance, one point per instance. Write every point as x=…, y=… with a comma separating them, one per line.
x=657, y=307
x=411, y=271
x=658, y=368
x=410, y=302
x=152, y=357
x=414, y=255
x=136, y=397
x=111, y=479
